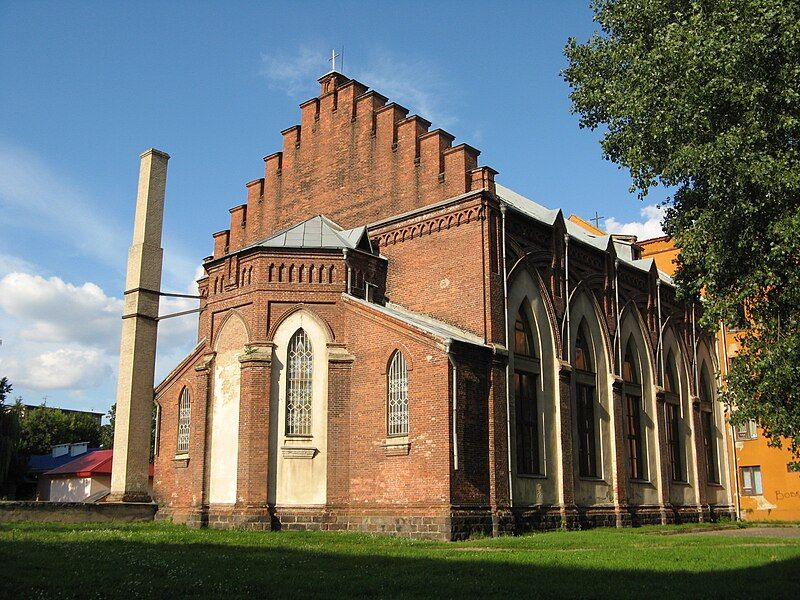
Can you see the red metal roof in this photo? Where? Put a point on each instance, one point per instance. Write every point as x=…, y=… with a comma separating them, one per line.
x=86, y=465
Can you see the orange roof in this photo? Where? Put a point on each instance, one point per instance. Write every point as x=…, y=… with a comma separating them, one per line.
x=586, y=225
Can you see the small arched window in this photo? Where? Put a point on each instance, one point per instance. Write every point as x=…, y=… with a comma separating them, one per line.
x=583, y=355
x=630, y=370
x=523, y=340
x=397, y=391
x=300, y=369
x=184, y=421
x=671, y=376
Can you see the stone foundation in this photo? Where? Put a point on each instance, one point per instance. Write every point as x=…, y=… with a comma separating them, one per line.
x=438, y=523
x=77, y=512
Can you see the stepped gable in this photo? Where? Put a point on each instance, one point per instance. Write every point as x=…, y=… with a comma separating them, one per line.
x=357, y=158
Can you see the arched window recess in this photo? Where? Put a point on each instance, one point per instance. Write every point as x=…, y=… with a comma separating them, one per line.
x=632, y=390
x=674, y=424
x=526, y=407
x=709, y=425
x=585, y=399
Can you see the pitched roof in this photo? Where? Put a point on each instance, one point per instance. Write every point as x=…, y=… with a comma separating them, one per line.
x=314, y=233
x=96, y=462
x=548, y=216
x=39, y=463
x=439, y=329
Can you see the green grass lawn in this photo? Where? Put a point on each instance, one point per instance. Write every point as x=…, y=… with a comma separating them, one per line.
x=156, y=560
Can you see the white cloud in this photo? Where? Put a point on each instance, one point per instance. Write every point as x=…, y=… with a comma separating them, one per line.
x=62, y=369
x=294, y=73
x=61, y=336
x=648, y=227
x=50, y=310
x=418, y=85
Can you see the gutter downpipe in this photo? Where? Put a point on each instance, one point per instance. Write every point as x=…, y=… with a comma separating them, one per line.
x=566, y=342
x=347, y=264
x=694, y=355
x=660, y=333
x=508, y=366
x=617, y=333
x=447, y=347
x=733, y=435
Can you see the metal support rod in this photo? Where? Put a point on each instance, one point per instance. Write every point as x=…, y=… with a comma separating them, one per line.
x=178, y=314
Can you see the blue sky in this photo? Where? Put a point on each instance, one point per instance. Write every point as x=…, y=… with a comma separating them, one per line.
x=86, y=87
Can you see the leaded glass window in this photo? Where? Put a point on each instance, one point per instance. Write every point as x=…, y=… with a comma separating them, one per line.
x=398, y=395
x=300, y=369
x=184, y=421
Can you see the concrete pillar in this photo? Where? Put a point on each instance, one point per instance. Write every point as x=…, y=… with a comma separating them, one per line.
x=137, y=357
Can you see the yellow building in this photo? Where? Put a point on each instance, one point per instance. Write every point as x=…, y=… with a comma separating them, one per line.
x=766, y=489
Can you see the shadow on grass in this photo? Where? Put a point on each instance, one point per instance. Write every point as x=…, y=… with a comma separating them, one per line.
x=131, y=568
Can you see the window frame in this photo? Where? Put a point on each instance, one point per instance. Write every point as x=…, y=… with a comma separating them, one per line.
x=398, y=365
x=184, y=427
x=757, y=483
x=299, y=388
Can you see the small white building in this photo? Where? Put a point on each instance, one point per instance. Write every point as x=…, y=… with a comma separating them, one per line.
x=86, y=477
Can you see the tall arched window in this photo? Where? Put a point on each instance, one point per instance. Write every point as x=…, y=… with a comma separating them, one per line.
x=673, y=417
x=709, y=427
x=397, y=391
x=526, y=372
x=585, y=392
x=633, y=410
x=184, y=421
x=300, y=368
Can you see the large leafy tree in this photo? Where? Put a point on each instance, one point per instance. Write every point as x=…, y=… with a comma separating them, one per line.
x=9, y=433
x=703, y=97
x=44, y=427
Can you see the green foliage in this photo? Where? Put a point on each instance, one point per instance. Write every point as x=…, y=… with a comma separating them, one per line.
x=44, y=427
x=107, y=433
x=703, y=96
x=9, y=432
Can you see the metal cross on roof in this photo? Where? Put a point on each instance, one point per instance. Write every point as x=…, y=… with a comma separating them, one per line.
x=596, y=219
x=333, y=58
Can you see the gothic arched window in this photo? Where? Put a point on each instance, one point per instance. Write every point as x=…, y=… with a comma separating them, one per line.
x=585, y=392
x=184, y=421
x=709, y=427
x=633, y=410
x=299, y=367
x=397, y=391
x=526, y=374
x=673, y=406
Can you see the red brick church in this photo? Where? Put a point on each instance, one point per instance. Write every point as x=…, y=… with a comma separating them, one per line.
x=390, y=341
